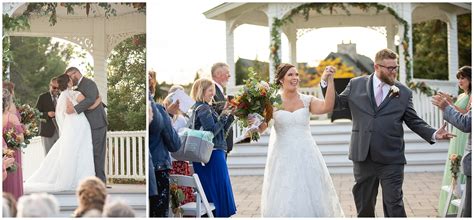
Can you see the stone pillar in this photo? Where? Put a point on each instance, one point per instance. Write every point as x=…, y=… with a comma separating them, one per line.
x=453, y=56
x=229, y=40
x=99, y=56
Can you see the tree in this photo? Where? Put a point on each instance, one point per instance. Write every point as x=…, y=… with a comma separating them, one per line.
x=430, y=47
x=34, y=62
x=127, y=85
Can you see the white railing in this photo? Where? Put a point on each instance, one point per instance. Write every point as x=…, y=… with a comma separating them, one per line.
x=126, y=155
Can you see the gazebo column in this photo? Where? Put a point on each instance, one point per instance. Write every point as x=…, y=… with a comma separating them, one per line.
x=99, y=56
x=390, y=36
x=229, y=40
x=292, y=38
x=405, y=12
x=453, y=56
x=271, y=62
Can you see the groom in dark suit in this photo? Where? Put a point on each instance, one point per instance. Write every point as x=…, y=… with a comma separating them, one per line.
x=96, y=117
x=379, y=105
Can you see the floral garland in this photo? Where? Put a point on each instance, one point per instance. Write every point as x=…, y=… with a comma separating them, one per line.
x=304, y=9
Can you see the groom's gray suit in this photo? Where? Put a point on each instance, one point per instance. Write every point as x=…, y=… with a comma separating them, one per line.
x=377, y=148
x=98, y=121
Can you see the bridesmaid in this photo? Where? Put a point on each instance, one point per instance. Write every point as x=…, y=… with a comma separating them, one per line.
x=457, y=143
x=14, y=181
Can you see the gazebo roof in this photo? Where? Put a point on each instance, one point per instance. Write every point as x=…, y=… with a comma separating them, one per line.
x=80, y=11
x=254, y=15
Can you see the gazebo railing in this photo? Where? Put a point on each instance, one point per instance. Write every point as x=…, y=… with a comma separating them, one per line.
x=126, y=155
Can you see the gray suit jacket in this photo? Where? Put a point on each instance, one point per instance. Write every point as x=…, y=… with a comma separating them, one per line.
x=463, y=123
x=96, y=117
x=379, y=130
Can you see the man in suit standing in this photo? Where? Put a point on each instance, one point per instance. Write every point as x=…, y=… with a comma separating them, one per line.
x=379, y=105
x=96, y=117
x=462, y=122
x=46, y=104
x=220, y=75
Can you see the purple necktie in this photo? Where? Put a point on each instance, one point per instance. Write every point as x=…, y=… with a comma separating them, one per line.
x=379, y=94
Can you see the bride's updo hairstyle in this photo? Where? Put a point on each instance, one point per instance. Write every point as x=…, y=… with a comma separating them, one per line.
x=63, y=80
x=281, y=72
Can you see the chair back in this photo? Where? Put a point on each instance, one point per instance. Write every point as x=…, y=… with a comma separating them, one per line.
x=195, y=183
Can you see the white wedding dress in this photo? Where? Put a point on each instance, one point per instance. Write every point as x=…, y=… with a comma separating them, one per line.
x=296, y=181
x=71, y=158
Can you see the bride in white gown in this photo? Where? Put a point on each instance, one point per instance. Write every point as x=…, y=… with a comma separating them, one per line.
x=71, y=157
x=296, y=180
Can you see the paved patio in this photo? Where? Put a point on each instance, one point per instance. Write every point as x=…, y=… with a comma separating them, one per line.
x=421, y=191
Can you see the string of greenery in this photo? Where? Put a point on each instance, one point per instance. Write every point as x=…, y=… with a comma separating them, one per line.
x=305, y=10
x=21, y=22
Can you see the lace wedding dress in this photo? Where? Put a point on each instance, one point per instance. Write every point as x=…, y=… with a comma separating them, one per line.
x=296, y=180
x=71, y=158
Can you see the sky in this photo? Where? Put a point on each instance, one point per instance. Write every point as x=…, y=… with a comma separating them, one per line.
x=182, y=41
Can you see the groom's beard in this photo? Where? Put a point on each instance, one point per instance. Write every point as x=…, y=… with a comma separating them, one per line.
x=387, y=79
x=75, y=81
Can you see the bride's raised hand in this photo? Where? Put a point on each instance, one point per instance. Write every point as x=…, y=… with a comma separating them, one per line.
x=328, y=73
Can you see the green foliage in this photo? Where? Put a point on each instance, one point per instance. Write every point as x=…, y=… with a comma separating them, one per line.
x=127, y=85
x=465, y=40
x=430, y=50
x=431, y=43
x=242, y=70
x=34, y=62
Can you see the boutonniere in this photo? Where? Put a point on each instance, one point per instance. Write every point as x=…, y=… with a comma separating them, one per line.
x=394, y=91
x=74, y=88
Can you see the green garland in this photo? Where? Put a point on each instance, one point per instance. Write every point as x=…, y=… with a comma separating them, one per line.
x=21, y=22
x=305, y=9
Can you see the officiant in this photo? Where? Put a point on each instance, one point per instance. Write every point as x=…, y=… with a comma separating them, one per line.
x=46, y=104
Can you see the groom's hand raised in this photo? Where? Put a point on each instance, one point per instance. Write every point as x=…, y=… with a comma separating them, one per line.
x=69, y=107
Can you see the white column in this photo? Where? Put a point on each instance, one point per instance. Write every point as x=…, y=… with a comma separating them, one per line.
x=99, y=56
x=271, y=65
x=405, y=13
x=291, y=34
x=453, y=59
x=229, y=40
x=390, y=36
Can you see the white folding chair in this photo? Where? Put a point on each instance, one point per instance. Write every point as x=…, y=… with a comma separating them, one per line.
x=194, y=208
x=459, y=203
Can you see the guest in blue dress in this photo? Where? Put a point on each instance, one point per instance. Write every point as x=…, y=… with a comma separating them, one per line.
x=214, y=175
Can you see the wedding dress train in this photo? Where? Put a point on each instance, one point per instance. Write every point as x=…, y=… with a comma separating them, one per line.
x=71, y=158
x=296, y=180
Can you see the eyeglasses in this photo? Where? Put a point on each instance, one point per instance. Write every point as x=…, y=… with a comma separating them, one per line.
x=54, y=87
x=389, y=68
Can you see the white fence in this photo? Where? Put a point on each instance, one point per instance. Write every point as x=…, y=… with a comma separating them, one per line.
x=125, y=155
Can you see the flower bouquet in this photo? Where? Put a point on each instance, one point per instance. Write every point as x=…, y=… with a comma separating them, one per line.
x=176, y=197
x=10, y=154
x=30, y=118
x=254, y=104
x=455, y=166
x=12, y=139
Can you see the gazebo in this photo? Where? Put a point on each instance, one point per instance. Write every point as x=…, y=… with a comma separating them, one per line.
x=95, y=29
x=264, y=14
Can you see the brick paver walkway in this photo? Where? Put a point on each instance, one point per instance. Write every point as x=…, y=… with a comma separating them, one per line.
x=421, y=191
